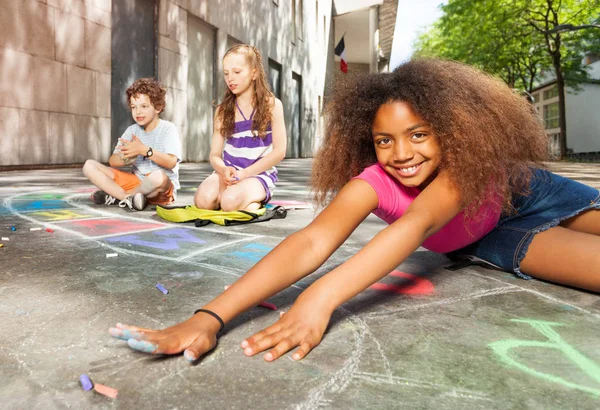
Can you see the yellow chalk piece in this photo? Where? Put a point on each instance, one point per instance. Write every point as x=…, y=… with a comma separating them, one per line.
x=1, y=245
x=105, y=390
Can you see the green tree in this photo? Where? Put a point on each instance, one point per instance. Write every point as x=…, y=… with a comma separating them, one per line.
x=518, y=40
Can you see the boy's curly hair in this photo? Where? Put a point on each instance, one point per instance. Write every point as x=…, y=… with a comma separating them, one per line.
x=152, y=88
x=486, y=131
x=263, y=99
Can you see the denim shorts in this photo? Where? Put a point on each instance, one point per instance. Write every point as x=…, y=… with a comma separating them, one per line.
x=552, y=199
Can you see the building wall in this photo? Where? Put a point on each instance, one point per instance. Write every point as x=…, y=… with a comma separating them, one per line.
x=583, y=121
x=268, y=26
x=55, y=61
x=55, y=81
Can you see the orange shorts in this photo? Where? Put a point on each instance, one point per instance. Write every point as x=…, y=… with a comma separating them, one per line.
x=129, y=181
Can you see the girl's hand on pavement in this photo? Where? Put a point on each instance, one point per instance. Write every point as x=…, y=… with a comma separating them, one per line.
x=302, y=326
x=194, y=337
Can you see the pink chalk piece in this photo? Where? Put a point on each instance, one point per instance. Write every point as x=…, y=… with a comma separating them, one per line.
x=49, y=230
x=268, y=305
x=105, y=390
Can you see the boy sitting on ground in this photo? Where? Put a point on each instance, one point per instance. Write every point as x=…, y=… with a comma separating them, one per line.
x=151, y=146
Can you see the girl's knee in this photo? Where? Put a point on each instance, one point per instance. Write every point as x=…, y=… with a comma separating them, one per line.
x=231, y=201
x=204, y=199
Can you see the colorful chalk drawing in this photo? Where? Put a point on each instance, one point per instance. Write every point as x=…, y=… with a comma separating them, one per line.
x=62, y=215
x=172, y=237
x=502, y=347
x=364, y=343
x=411, y=285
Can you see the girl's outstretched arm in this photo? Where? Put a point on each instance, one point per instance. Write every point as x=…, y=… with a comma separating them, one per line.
x=305, y=323
x=295, y=257
x=279, y=144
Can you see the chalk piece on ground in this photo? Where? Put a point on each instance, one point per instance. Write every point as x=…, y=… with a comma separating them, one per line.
x=86, y=383
x=1, y=245
x=12, y=228
x=105, y=390
x=35, y=229
x=268, y=305
x=4, y=238
x=161, y=288
x=112, y=255
x=49, y=230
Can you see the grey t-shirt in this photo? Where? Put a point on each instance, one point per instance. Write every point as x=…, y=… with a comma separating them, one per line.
x=164, y=138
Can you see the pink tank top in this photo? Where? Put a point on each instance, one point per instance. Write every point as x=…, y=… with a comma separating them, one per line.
x=395, y=198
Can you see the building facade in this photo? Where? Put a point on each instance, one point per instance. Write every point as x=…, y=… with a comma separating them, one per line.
x=583, y=122
x=66, y=64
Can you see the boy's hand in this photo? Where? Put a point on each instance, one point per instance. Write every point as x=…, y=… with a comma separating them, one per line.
x=133, y=148
x=194, y=337
x=302, y=326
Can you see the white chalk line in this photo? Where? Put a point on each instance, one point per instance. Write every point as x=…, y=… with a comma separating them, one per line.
x=403, y=381
x=475, y=295
x=537, y=293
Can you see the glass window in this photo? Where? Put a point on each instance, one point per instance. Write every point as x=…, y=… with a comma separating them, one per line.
x=551, y=115
x=550, y=93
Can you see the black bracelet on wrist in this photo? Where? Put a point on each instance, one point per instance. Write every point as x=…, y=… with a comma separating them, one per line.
x=213, y=314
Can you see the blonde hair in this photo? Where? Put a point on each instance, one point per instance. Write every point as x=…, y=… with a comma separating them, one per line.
x=262, y=98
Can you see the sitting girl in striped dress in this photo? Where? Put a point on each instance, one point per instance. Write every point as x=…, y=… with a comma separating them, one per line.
x=248, y=140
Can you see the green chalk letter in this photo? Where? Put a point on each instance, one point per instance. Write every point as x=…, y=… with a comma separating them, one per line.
x=502, y=347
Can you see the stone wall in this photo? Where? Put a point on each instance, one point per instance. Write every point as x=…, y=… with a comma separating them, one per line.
x=55, y=64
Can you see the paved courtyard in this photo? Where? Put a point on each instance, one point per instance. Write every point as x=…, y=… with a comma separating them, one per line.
x=422, y=338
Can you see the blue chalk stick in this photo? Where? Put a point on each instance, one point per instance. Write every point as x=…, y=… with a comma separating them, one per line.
x=86, y=383
x=12, y=228
x=161, y=288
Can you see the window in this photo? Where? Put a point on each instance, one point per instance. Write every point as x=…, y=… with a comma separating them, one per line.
x=294, y=33
x=551, y=93
x=592, y=58
x=300, y=4
x=536, y=97
x=551, y=115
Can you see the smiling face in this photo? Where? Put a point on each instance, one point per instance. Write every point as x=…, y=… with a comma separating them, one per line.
x=238, y=73
x=143, y=112
x=405, y=145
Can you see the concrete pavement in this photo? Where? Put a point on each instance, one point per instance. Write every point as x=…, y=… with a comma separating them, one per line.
x=422, y=338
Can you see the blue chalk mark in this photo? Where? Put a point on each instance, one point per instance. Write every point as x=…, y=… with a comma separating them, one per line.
x=161, y=288
x=170, y=244
x=256, y=252
x=142, y=346
x=39, y=205
x=189, y=356
x=124, y=334
x=86, y=383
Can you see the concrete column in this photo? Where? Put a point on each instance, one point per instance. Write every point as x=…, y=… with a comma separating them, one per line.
x=373, y=38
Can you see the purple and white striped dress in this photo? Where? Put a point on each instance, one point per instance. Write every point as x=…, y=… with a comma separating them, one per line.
x=242, y=150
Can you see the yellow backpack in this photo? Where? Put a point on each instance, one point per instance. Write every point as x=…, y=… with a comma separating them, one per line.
x=203, y=217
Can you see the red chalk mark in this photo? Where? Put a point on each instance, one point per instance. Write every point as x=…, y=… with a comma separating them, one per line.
x=268, y=305
x=105, y=390
x=110, y=226
x=411, y=285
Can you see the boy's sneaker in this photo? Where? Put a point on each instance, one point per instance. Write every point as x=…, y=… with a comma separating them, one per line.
x=139, y=201
x=135, y=202
x=100, y=197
